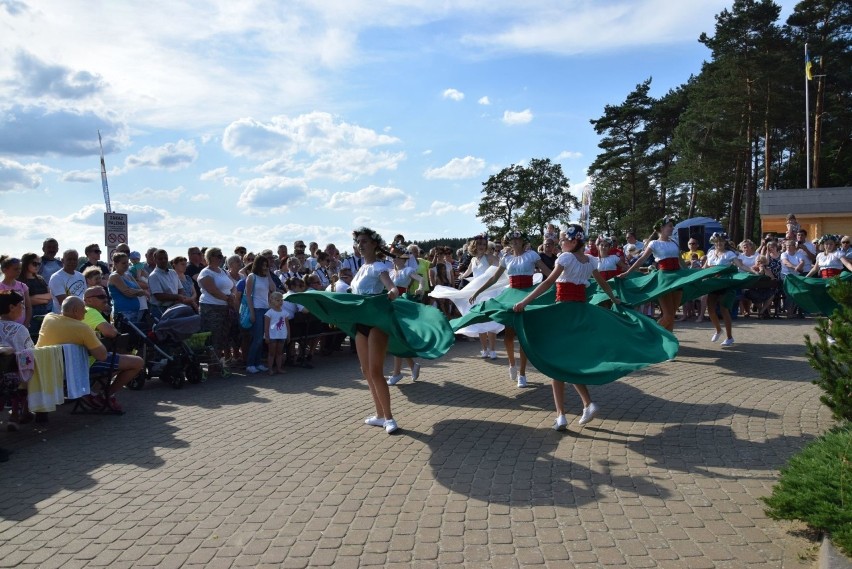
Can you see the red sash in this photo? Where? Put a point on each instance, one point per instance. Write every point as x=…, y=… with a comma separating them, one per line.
x=609, y=274
x=670, y=264
x=570, y=292
x=401, y=290
x=828, y=273
x=520, y=281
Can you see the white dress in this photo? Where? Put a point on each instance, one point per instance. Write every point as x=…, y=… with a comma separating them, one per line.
x=482, y=271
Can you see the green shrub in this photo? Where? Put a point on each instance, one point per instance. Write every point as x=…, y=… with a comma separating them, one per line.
x=816, y=487
x=834, y=362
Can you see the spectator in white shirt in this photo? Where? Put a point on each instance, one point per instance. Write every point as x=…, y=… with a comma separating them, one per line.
x=66, y=282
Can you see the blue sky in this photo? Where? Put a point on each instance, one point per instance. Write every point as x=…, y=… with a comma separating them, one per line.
x=262, y=122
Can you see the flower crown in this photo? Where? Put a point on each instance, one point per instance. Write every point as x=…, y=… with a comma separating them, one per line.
x=608, y=239
x=478, y=236
x=515, y=234
x=664, y=221
x=574, y=232
x=828, y=237
x=369, y=233
x=719, y=236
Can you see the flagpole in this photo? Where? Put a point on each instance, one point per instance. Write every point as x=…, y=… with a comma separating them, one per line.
x=807, y=124
x=104, y=183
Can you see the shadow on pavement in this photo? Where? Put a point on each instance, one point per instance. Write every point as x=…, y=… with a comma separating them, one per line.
x=516, y=465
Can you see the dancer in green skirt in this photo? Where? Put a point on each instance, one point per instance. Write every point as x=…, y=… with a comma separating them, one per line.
x=520, y=264
x=571, y=272
x=380, y=322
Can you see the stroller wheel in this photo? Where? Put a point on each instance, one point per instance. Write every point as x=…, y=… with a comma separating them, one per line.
x=194, y=373
x=177, y=380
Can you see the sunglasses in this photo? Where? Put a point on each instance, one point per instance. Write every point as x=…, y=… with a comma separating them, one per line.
x=844, y=242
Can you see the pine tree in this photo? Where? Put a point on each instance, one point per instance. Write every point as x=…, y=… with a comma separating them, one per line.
x=831, y=355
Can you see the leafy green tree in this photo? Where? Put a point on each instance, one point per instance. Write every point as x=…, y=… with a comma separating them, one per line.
x=546, y=196
x=526, y=198
x=501, y=199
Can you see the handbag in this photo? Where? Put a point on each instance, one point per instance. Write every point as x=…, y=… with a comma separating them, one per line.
x=245, y=313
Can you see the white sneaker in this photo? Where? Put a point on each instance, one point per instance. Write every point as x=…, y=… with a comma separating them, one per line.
x=375, y=421
x=492, y=354
x=390, y=426
x=394, y=379
x=262, y=367
x=513, y=373
x=483, y=354
x=715, y=336
x=415, y=372
x=251, y=369
x=560, y=424
x=589, y=413
x=728, y=342
x=522, y=381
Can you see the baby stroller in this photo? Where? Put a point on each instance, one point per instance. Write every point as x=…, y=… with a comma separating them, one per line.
x=165, y=350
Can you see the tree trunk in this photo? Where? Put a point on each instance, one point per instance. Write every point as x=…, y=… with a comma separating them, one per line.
x=736, y=200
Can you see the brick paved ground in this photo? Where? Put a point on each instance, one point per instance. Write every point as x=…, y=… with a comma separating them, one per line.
x=281, y=472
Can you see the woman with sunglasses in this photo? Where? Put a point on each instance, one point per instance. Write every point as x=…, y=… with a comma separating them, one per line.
x=124, y=289
x=599, y=357
x=40, y=299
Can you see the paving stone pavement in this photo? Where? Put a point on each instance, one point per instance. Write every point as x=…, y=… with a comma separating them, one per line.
x=282, y=472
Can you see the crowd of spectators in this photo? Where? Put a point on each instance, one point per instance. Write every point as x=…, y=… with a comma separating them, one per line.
x=214, y=284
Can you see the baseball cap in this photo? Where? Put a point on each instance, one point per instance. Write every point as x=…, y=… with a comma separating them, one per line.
x=135, y=255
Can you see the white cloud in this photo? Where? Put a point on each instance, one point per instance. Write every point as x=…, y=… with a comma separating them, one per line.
x=595, y=27
x=521, y=117
x=484, y=100
x=439, y=208
x=453, y=94
x=39, y=130
x=171, y=156
x=81, y=176
x=17, y=177
x=214, y=174
x=38, y=79
x=152, y=195
x=271, y=194
x=569, y=155
x=93, y=214
x=457, y=169
x=315, y=145
x=371, y=196
x=427, y=152
x=200, y=198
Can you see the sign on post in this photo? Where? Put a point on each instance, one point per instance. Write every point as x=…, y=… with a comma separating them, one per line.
x=115, y=229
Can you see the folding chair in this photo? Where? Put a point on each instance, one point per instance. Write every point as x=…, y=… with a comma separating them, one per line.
x=101, y=380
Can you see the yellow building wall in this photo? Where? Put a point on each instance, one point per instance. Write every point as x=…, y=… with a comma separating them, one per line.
x=816, y=226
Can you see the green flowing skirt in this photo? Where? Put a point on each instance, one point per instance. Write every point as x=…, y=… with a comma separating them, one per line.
x=812, y=293
x=636, y=289
x=577, y=342
x=499, y=308
x=413, y=329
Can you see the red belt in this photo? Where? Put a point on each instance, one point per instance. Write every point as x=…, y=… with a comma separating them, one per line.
x=520, y=281
x=828, y=273
x=401, y=290
x=670, y=264
x=608, y=274
x=570, y=292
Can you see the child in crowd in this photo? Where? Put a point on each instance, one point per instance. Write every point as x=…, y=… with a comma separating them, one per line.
x=276, y=332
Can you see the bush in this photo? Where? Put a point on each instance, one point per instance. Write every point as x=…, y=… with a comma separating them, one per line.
x=834, y=362
x=816, y=487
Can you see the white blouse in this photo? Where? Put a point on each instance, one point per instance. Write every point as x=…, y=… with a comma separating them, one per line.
x=664, y=249
x=523, y=264
x=573, y=270
x=368, y=278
